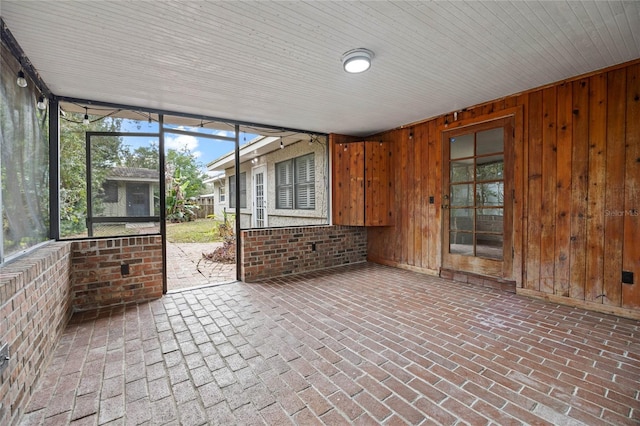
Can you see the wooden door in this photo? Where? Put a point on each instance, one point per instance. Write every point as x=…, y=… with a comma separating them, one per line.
x=477, y=199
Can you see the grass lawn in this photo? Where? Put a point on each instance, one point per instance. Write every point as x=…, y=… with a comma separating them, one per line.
x=197, y=231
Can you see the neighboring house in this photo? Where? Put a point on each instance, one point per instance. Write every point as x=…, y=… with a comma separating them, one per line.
x=217, y=189
x=282, y=182
x=129, y=191
x=206, y=200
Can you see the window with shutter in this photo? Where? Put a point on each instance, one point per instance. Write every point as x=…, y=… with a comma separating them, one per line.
x=295, y=183
x=243, y=190
x=305, y=182
x=284, y=185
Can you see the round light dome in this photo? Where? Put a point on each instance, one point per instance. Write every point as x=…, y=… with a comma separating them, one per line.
x=357, y=60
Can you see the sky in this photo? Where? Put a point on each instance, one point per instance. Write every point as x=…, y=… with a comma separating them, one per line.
x=204, y=149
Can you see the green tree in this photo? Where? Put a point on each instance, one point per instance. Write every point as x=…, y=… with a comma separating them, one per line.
x=145, y=157
x=184, y=165
x=73, y=181
x=185, y=181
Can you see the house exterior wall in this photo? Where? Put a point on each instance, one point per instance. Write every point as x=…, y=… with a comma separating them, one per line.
x=120, y=208
x=96, y=276
x=220, y=204
x=283, y=217
x=268, y=253
x=35, y=306
x=576, y=225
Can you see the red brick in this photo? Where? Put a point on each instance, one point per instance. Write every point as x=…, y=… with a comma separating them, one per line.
x=376, y=409
x=404, y=409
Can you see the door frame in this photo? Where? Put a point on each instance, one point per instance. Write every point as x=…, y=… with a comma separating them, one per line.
x=512, y=265
x=262, y=168
x=91, y=219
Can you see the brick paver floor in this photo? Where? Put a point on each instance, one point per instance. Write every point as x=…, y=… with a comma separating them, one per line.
x=363, y=344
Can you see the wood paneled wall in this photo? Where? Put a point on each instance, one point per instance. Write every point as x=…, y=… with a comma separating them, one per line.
x=577, y=196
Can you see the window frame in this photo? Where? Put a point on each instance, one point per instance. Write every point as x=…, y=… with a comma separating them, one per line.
x=222, y=194
x=243, y=191
x=288, y=186
x=111, y=191
x=294, y=164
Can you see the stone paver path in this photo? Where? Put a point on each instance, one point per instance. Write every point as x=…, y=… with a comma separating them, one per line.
x=363, y=344
x=185, y=269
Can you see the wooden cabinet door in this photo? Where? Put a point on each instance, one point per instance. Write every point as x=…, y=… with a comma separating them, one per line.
x=348, y=184
x=362, y=184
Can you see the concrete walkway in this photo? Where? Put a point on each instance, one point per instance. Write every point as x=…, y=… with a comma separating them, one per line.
x=363, y=344
x=186, y=268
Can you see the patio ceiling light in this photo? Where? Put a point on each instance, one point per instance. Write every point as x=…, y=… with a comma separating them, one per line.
x=357, y=60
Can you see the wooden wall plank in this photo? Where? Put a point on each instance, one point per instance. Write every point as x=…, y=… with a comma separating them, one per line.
x=520, y=170
x=344, y=185
x=548, y=207
x=597, y=165
x=423, y=134
x=534, y=203
x=386, y=197
x=340, y=184
x=614, y=206
x=355, y=157
x=413, y=202
x=371, y=164
x=402, y=243
x=564, y=138
x=434, y=149
x=631, y=251
x=373, y=180
x=579, y=188
x=418, y=197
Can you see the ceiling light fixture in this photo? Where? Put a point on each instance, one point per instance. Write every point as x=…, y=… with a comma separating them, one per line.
x=357, y=60
x=21, y=81
x=42, y=103
x=85, y=120
x=281, y=144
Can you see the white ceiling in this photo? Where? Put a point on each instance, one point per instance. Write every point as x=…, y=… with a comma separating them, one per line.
x=278, y=63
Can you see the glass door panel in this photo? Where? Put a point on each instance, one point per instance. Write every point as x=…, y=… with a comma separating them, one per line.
x=476, y=182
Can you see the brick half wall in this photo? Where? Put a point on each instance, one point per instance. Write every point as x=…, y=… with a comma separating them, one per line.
x=268, y=253
x=35, y=306
x=97, y=279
